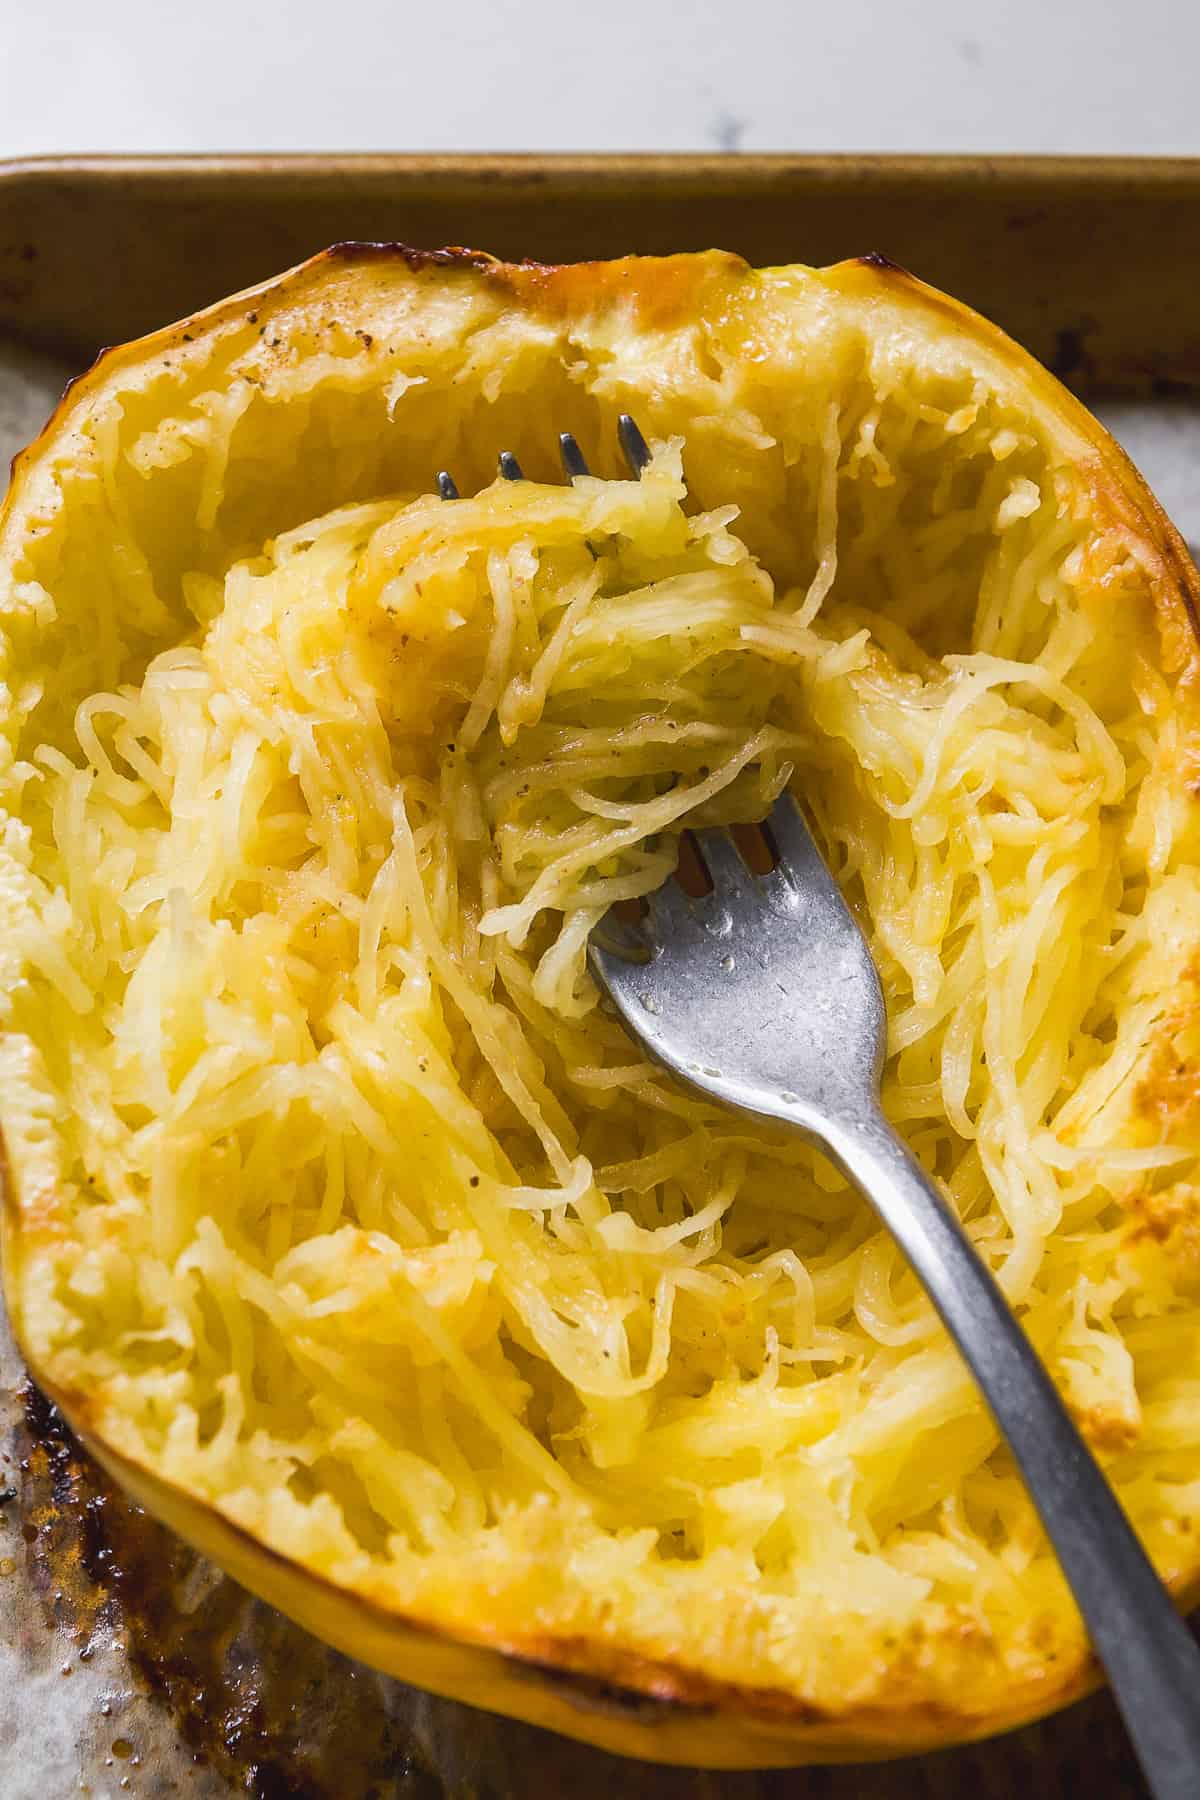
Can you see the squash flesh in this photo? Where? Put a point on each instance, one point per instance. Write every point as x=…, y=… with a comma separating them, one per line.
x=295, y=975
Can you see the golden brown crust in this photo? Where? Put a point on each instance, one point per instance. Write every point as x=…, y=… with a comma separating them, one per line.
x=617, y=1699
x=1118, y=493
x=1168, y=1094
x=667, y=291
x=621, y=1701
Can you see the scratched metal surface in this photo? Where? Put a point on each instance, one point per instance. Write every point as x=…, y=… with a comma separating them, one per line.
x=128, y=1666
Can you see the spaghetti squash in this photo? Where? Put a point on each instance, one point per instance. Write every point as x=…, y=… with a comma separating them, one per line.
x=344, y=1221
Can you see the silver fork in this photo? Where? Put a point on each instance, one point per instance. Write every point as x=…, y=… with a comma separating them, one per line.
x=763, y=996
x=634, y=449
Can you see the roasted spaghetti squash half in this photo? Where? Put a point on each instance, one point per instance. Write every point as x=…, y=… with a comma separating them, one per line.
x=347, y=1227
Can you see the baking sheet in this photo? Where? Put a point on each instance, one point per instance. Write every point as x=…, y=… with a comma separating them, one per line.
x=128, y=1666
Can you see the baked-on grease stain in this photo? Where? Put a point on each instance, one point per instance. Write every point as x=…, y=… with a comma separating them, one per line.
x=277, y=1713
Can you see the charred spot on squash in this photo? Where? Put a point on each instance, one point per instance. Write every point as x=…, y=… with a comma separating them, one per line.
x=875, y=259
x=353, y=250
x=594, y=1694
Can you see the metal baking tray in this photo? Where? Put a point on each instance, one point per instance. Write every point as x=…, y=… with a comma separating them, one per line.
x=127, y=1665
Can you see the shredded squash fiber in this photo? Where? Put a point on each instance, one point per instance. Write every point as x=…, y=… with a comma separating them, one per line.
x=339, y=1202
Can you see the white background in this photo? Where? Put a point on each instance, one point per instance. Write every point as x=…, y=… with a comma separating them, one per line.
x=1033, y=75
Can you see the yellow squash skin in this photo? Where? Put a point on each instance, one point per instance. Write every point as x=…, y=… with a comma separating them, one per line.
x=681, y=342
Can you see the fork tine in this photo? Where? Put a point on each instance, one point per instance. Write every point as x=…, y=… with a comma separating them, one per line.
x=668, y=912
x=615, y=937
x=573, y=461
x=634, y=449
x=633, y=445
x=794, y=845
x=722, y=858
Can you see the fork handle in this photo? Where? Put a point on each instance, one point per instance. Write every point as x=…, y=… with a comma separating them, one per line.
x=1151, y=1660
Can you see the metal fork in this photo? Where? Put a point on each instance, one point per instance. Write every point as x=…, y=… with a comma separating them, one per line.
x=634, y=449
x=763, y=996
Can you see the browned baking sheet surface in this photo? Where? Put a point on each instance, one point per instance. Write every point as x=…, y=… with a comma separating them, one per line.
x=127, y=1665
